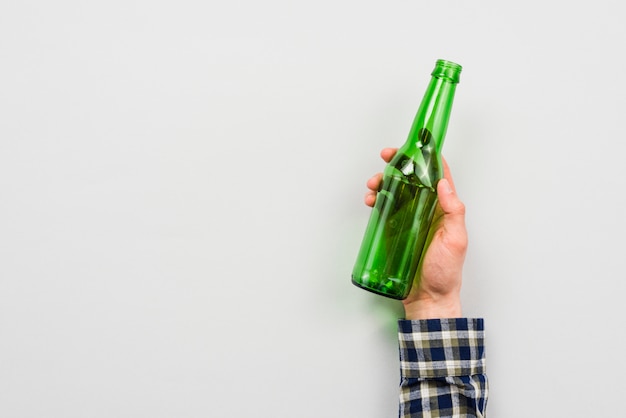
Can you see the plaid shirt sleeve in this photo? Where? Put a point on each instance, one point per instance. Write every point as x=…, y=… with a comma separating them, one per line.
x=442, y=368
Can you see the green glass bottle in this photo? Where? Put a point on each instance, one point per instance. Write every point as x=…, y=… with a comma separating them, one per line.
x=397, y=231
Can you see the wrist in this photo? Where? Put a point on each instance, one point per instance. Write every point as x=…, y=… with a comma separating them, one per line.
x=449, y=307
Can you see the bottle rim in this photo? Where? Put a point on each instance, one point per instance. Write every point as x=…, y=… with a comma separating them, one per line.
x=447, y=70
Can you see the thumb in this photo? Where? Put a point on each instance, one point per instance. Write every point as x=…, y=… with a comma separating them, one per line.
x=449, y=201
x=453, y=219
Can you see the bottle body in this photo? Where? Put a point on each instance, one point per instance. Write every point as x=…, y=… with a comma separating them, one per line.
x=396, y=236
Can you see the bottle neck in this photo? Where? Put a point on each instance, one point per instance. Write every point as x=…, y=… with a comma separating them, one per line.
x=434, y=111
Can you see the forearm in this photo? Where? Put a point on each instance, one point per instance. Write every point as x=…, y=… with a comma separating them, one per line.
x=445, y=307
x=442, y=367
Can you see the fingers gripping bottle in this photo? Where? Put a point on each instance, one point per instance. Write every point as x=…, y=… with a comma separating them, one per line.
x=397, y=231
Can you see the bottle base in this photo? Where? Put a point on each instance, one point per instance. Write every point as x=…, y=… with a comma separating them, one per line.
x=378, y=291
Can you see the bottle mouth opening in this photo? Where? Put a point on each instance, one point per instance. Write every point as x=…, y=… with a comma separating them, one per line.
x=447, y=70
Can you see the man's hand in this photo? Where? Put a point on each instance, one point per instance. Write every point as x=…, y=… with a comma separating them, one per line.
x=436, y=290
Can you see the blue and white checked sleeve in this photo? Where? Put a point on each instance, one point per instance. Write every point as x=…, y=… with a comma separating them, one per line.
x=442, y=368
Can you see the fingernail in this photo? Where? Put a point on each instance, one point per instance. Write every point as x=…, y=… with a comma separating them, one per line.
x=446, y=185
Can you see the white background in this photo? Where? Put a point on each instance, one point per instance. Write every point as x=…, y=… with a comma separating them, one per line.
x=181, y=202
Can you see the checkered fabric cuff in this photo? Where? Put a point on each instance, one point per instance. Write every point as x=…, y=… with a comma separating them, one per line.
x=441, y=347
